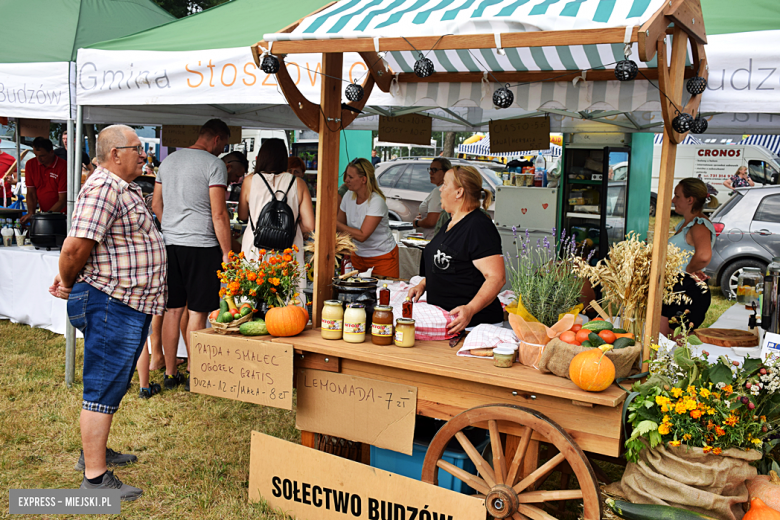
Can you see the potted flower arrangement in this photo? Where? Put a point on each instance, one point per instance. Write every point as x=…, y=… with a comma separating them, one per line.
x=273, y=279
x=547, y=290
x=698, y=427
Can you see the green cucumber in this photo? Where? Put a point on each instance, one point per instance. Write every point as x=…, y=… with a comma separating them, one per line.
x=619, y=331
x=245, y=310
x=223, y=307
x=253, y=328
x=597, y=325
x=225, y=317
x=623, y=343
x=596, y=340
x=587, y=344
x=630, y=511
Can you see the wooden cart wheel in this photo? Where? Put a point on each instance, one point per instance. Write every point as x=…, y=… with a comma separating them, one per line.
x=507, y=494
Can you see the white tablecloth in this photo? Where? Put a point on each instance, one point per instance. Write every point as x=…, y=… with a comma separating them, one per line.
x=25, y=276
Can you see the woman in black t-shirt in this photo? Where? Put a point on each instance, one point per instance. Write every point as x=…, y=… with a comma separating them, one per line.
x=463, y=265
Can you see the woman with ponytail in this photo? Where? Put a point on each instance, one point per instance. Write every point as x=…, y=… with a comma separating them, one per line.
x=463, y=265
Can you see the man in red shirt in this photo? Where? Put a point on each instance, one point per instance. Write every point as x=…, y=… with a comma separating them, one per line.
x=46, y=178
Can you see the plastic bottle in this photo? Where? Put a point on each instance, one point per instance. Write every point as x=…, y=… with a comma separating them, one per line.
x=539, y=165
x=7, y=233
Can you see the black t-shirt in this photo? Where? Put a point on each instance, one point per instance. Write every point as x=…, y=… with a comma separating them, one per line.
x=451, y=279
x=62, y=153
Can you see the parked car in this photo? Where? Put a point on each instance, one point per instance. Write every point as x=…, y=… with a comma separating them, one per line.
x=748, y=235
x=406, y=183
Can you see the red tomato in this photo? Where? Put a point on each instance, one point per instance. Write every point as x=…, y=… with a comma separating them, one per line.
x=598, y=319
x=214, y=315
x=235, y=312
x=575, y=328
x=582, y=335
x=608, y=336
x=569, y=337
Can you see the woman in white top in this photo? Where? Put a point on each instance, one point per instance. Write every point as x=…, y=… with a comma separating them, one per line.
x=363, y=214
x=430, y=208
x=271, y=163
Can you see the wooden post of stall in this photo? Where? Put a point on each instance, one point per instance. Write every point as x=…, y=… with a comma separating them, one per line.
x=670, y=80
x=327, y=182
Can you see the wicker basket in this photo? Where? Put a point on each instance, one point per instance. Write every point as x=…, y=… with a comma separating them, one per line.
x=231, y=327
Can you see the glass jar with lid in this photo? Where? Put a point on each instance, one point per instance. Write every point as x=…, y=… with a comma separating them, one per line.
x=404, y=332
x=750, y=287
x=382, y=325
x=355, y=323
x=332, y=320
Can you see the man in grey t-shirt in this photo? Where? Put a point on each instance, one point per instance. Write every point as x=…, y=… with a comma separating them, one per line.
x=189, y=201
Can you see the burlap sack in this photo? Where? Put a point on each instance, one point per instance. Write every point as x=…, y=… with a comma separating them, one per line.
x=712, y=485
x=557, y=356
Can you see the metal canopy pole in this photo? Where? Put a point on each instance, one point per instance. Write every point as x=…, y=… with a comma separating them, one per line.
x=70, y=332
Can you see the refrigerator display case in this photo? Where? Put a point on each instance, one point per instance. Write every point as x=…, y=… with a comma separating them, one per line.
x=595, y=196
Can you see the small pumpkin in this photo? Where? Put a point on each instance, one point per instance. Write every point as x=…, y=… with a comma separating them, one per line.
x=767, y=488
x=592, y=370
x=760, y=511
x=285, y=321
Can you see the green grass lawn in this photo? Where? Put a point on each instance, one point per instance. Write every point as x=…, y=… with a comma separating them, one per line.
x=193, y=450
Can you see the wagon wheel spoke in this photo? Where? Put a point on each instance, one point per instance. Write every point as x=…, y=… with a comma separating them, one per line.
x=539, y=472
x=533, y=497
x=472, y=480
x=517, y=460
x=499, y=462
x=518, y=516
x=482, y=466
x=534, y=513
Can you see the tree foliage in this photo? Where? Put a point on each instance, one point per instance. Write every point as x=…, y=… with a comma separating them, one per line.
x=182, y=8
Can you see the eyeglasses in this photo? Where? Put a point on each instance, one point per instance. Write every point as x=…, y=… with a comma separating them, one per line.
x=139, y=148
x=434, y=170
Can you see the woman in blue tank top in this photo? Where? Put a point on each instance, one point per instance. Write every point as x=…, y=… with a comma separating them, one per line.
x=697, y=235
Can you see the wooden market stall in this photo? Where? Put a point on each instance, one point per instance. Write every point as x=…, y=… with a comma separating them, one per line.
x=522, y=403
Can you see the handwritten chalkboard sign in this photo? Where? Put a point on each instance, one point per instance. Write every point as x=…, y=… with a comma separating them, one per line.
x=184, y=136
x=411, y=128
x=243, y=369
x=519, y=135
x=310, y=484
x=357, y=408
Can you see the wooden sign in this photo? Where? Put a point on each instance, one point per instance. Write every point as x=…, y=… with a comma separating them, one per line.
x=357, y=408
x=520, y=135
x=34, y=128
x=312, y=485
x=184, y=136
x=243, y=369
x=411, y=128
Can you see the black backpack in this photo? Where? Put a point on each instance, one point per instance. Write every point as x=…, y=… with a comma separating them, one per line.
x=276, y=224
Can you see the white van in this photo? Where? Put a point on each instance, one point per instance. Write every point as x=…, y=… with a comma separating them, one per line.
x=252, y=140
x=716, y=163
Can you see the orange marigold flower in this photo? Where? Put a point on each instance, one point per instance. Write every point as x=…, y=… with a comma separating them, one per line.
x=241, y=255
x=252, y=292
x=222, y=293
x=287, y=251
x=719, y=431
x=295, y=248
x=251, y=277
x=674, y=443
x=717, y=451
x=284, y=272
x=273, y=290
x=728, y=390
x=687, y=437
x=695, y=414
x=287, y=258
x=707, y=449
x=732, y=420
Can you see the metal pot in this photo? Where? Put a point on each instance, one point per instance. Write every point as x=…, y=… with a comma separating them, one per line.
x=362, y=290
x=48, y=230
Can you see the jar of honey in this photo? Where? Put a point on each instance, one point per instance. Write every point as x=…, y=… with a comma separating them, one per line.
x=382, y=325
x=404, y=332
x=355, y=323
x=332, y=324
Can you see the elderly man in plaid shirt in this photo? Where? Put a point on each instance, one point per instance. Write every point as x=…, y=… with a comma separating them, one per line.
x=113, y=270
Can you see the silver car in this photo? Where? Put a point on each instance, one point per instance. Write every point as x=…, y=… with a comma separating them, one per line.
x=748, y=235
x=406, y=183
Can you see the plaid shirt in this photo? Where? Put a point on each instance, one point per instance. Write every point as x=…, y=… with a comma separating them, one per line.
x=128, y=262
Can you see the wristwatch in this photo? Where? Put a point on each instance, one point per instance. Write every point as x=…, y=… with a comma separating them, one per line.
x=414, y=224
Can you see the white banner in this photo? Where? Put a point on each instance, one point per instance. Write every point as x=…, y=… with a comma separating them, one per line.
x=35, y=90
x=216, y=76
x=744, y=73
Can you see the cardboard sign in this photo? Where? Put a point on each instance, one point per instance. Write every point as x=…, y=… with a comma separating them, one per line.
x=243, y=369
x=183, y=136
x=518, y=135
x=34, y=128
x=309, y=484
x=357, y=408
x=770, y=346
x=411, y=128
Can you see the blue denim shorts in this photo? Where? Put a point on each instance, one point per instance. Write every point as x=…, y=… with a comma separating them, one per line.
x=114, y=335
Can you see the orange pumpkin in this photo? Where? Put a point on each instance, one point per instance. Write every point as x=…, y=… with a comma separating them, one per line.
x=767, y=488
x=285, y=321
x=305, y=314
x=760, y=511
x=592, y=370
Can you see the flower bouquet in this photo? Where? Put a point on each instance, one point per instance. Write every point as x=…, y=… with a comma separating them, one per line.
x=272, y=279
x=547, y=290
x=702, y=425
